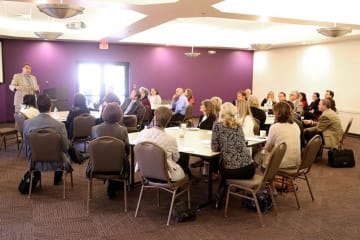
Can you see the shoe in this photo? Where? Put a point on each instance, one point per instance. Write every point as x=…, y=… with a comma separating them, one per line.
x=197, y=164
x=58, y=177
x=110, y=192
x=218, y=201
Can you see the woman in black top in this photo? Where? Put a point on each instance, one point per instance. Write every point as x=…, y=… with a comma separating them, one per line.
x=208, y=116
x=78, y=109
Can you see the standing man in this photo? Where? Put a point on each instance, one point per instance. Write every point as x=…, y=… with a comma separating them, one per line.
x=22, y=84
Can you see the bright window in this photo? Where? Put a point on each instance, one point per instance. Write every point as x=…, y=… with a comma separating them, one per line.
x=97, y=78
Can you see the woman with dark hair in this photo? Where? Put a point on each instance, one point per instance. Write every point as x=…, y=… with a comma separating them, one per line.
x=228, y=139
x=312, y=111
x=29, y=110
x=154, y=97
x=112, y=115
x=78, y=109
x=208, y=116
x=284, y=130
x=303, y=100
x=189, y=95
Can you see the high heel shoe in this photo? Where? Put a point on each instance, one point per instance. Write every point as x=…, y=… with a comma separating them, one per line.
x=218, y=201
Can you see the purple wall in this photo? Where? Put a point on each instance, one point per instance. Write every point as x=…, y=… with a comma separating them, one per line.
x=55, y=65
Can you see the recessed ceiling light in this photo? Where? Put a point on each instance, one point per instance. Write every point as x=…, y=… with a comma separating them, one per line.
x=76, y=25
x=211, y=52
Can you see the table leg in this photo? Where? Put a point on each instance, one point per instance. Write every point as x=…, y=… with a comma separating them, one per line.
x=209, y=198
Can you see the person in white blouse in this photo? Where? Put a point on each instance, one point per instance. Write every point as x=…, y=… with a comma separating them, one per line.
x=154, y=97
x=158, y=135
x=29, y=106
x=246, y=118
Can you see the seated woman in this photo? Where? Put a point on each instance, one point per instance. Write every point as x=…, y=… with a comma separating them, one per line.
x=228, y=139
x=157, y=134
x=246, y=119
x=208, y=116
x=112, y=115
x=257, y=113
x=206, y=122
x=29, y=110
x=78, y=109
x=217, y=102
x=144, y=99
x=189, y=95
x=312, y=111
x=284, y=130
x=154, y=97
x=269, y=100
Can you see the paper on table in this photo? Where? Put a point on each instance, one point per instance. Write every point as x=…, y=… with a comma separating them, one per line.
x=186, y=149
x=256, y=139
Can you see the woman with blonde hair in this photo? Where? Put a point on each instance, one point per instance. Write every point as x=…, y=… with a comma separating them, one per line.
x=245, y=117
x=269, y=100
x=217, y=101
x=235, y=158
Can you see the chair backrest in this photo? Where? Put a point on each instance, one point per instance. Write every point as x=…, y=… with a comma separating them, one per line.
x=45, y=145
x=130, y=122
x=188, y=112
x=141, y=114
x=152, y=162
x=310, y=152
x=82, y=126
x=348, y=126
x=19, y=121
x=275, y=159
x=107, y=155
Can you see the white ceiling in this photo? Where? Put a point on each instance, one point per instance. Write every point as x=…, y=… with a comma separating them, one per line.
x=199, y=23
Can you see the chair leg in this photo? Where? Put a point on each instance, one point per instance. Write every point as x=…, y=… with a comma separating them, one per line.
x=20, y=150
x=258, y=209
x=125, y=195
x=227, y=201
x=308, y=184
x=138, y=204
x=31, y=180
x=89, y=196
x=272, y=198
x=158, y=197
x=189, y=196
x=71, y=179
x=293, y=186
x=171, y=207
x=64, y=187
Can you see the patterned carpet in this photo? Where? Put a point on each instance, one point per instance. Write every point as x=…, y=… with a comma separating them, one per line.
x=335, y=214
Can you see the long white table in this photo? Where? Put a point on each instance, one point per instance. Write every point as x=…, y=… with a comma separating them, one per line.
x=196, y=142
x=61, y=116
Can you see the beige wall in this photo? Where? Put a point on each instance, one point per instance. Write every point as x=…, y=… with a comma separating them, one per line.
x=334, y=66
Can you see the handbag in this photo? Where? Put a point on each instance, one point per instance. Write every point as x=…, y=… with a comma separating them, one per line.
x=24, y=185
x=341, y=158
x=264, y=200
x=181, y=213
x=76, y=156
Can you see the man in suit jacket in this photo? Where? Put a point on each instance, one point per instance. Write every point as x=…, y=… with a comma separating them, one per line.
x=329, y=125
x=133, y=106
x=22, y=84
x=44, y=120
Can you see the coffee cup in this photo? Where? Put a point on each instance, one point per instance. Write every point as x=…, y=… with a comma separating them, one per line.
x=262, y=133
